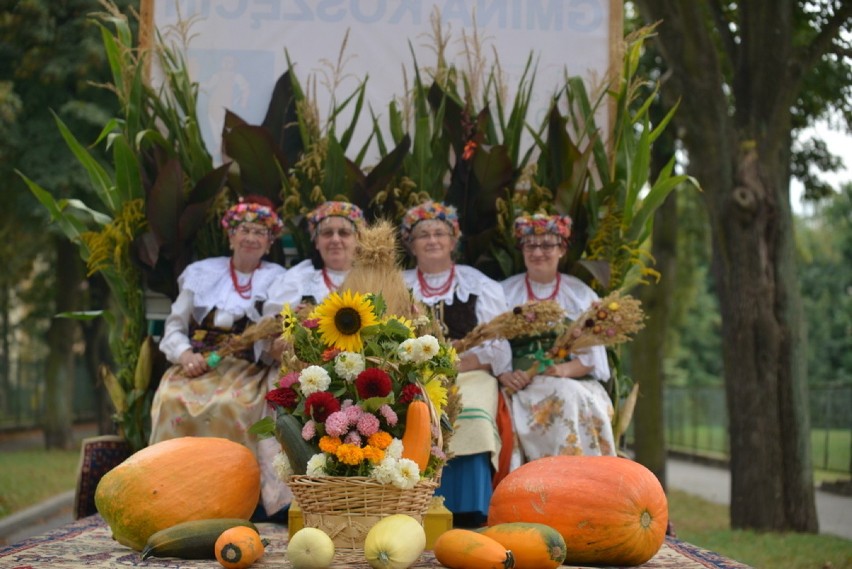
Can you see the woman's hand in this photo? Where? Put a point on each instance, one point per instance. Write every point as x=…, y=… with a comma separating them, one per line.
x=514, y=380
x=572, y=368
x=193, y=364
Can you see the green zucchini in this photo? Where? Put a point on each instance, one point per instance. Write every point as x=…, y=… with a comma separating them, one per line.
x=194, y=539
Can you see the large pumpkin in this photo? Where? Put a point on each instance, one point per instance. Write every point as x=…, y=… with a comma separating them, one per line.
x=609, y=510
x=174, y=481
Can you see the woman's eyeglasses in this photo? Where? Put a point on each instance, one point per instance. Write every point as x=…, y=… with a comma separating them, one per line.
x=342, y=232
x=545, y=247
x=437, y=235
x=253, y=231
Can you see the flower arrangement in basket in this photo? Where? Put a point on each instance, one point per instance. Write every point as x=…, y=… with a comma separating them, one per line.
x=362, y=413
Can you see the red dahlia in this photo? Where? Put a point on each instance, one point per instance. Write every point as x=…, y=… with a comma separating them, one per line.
x=373, y=382
x=319, y=405
x=408, y=393
x=283, y=396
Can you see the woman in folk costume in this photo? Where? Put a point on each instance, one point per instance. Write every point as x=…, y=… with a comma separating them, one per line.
x=219, y=297
x=461, y=297
x=564, y=408
x=333, y=228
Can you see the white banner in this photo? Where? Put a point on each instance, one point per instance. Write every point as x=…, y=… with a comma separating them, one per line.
x=238, y=48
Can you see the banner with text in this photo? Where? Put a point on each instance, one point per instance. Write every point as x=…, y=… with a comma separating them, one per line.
x=239, y=48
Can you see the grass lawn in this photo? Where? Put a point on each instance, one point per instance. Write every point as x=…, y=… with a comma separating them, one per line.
x=706, y=524
x=29, y=476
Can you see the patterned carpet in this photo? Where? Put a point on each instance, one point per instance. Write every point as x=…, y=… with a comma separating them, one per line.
x=87, y=543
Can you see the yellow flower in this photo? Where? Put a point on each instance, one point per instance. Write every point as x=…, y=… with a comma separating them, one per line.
x=613, y=306
x=402, y=320
x=288, y=321
x=436, y=392
x=341, y=318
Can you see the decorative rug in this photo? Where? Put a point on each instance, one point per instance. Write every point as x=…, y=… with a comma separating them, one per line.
x=88, y=543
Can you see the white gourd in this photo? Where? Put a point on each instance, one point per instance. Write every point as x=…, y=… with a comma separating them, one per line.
x=310, y=548
x=395, y=542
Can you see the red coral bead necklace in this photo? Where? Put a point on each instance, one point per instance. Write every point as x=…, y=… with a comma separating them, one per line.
x=531, y=295
x=243, y=290
x=328, y=282
x=437, y=290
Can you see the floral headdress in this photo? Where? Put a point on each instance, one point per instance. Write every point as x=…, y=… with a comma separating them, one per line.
x=252, y=212
x=527, y=225
x=426, y=211
x=331, y=208
x=350, y=379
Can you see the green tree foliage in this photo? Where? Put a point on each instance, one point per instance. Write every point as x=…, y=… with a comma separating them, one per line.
x=826, y=279
x=48, y=59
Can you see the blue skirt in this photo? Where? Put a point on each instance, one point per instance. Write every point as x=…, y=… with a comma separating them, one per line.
x=466, y=487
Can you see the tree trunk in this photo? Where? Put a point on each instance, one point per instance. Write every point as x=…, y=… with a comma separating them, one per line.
x=737, y=133
x=771, y=484
x=59, y=384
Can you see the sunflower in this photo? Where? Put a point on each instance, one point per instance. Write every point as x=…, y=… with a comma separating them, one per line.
x=341, y=318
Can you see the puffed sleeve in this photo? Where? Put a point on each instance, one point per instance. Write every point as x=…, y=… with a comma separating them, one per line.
x=287, y=289
x=175, y=340
x=491, y=303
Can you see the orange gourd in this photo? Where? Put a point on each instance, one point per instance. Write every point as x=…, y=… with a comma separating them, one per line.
x=609, y=510
x=534, y=546
x=238, y=548
x=417, y=439
x=174, y=481
x=466, y=549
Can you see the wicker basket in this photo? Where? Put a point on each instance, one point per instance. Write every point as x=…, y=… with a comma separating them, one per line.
x=346, y=507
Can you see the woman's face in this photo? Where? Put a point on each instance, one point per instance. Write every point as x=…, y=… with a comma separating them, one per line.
x=249, y=242
x=336, y=240
x=432, y=241
x=541, y=256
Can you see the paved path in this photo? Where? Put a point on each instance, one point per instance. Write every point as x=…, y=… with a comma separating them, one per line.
x=714, y=485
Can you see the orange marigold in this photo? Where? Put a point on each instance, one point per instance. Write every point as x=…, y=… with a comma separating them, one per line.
x=349, y=454
x=329, y=444
x=373, y=454
x=381, y=440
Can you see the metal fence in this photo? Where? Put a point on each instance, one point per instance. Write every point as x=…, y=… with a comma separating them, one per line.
x=22, y=398
x=697, y=423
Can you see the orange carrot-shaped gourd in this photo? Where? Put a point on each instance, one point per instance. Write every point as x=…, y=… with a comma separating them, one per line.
x=417, y=439
x=466, y=549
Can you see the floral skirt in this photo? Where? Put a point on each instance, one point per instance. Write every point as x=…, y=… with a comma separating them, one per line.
x=224, y=402
x=562, y=416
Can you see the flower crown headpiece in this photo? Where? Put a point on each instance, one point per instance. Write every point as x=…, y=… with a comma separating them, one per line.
x=252, y=212
x=527, y=225
x=426, y=211
x=346, y=210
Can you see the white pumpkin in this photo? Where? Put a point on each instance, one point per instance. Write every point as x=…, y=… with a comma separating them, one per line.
x=310, y=548
x=395, y=542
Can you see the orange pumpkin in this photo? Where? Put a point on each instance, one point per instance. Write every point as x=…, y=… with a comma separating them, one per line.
x=417, y=439
x=609, y=510
x=535, y=546
x=466, y=549
x=174, y=481
x=238, y=548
